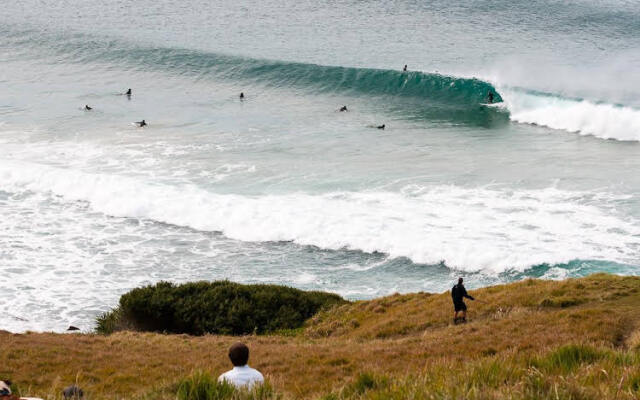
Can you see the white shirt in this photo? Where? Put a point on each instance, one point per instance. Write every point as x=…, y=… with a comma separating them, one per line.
x=244, y=376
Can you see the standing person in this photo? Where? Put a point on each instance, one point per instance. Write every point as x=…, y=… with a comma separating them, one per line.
x=405, y=68
x=241, y=375
x=490, y=97
x=458, y=293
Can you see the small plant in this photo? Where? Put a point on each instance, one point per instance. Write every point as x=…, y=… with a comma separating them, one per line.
x=363, y=383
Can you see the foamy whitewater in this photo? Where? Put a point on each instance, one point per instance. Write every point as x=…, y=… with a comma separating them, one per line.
x=281, y=187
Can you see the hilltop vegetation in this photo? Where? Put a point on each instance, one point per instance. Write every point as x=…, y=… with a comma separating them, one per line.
x=535, y=339
x=220, y=307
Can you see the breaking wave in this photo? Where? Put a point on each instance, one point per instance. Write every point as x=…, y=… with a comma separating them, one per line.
x=602, y=120
x=471, y=229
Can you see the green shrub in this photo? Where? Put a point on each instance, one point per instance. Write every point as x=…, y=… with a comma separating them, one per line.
x=220, y=307
x=112, y=321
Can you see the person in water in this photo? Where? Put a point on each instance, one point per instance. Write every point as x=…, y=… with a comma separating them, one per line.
x=128, y=92
x=343, y=108
x=381, y=126
x=87, y=108
x=458, y=293
x=241, y=95
x=141, y=123
x=490, y=97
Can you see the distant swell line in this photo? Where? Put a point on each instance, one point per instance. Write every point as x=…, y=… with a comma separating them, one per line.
x=434, y=87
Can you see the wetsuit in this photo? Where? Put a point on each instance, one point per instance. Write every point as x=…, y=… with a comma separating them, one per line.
x=458, y=293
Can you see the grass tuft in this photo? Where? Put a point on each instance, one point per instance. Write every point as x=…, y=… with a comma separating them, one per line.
x=202, y=385
x=567, y=358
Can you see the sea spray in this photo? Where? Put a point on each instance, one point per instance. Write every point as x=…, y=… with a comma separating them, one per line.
x=605, y=121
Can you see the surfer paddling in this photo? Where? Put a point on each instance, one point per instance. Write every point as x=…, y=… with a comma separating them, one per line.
x=141, y=124
x=343, y=109
x=87, y=108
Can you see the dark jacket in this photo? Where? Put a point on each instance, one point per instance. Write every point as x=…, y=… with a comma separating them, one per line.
x=458, y=292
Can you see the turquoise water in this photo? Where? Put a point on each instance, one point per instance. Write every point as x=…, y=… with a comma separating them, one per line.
x=283, y=188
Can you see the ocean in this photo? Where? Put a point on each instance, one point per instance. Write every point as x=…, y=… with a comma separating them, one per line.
x=281, y=187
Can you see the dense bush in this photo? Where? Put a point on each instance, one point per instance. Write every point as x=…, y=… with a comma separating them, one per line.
x=220, y=307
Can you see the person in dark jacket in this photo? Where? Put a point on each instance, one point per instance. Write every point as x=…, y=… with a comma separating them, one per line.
x=458, y=293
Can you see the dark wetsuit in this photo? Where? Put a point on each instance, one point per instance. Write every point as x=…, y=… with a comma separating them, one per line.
x=458, y=293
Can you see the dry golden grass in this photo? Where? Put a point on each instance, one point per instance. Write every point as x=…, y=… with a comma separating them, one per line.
x=404, y=341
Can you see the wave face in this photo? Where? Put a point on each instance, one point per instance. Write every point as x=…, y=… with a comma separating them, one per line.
x=434, y=87
x=605, y=121
x=467, y=229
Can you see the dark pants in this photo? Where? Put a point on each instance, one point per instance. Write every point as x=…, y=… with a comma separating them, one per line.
x=459, y=306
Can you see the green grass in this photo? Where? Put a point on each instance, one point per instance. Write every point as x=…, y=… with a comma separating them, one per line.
x=568, y=358
x=202, y=385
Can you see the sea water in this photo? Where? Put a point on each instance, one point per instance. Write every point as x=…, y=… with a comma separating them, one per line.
x=281, y=187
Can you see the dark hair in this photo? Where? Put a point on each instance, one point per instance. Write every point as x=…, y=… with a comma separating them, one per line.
x=72, y=392
x=459, y=281
x=239, y=354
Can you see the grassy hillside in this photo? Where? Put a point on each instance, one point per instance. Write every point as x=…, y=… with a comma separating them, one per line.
x=573, y=339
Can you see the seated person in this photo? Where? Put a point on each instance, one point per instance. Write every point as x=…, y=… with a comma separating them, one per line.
x=241, y=376
x=72, y=392
x=5, y=392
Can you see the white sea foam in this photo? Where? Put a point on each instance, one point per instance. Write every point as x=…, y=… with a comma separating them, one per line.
x=606, y=121
x=470, y=229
